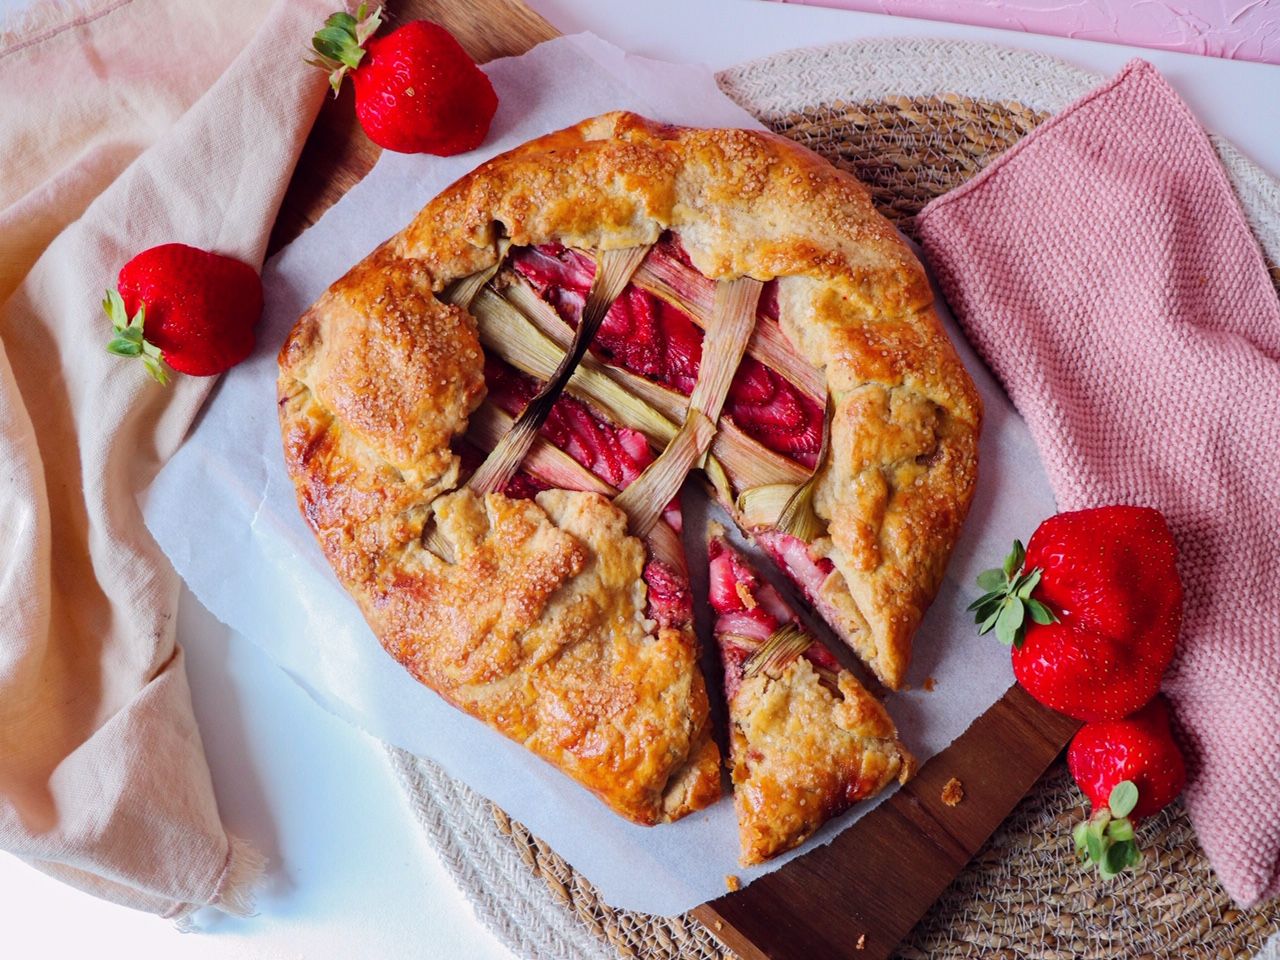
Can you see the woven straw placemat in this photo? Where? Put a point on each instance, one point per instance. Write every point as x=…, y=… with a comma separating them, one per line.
x=912, y=120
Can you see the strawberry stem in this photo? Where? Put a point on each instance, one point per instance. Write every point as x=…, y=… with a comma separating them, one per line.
x=1008, y=604
x=339, y=44
x=1107, y=840
x=128, y=340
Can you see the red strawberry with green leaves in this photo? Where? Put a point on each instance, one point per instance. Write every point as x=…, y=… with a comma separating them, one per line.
x=189, y=308
x=1129, y=769
x=417, y=90
x=1092, y=608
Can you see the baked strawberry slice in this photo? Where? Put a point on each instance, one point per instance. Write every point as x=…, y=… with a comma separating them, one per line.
x=806, y=739
x=615, y=454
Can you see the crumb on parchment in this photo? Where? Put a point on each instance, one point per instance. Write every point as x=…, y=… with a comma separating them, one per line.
x=732, y=883
x=952, y=792
x=929, y=684
x=862, y=942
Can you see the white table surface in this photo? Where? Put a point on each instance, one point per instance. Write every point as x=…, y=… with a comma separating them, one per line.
x=352, y=876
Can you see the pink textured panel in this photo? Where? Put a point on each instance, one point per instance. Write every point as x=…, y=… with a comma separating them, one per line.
x=1237, y=29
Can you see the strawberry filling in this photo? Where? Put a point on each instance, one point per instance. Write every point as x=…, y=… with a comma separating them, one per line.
x=749, y=608
x=670, y=600
x=522, y=486
x=615, y=454
x=792, y=555
x=648, y=336
x=769, y=300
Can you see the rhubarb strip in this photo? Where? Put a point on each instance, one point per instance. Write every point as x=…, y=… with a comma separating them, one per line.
x=506, y=331
x=733, y=317
x=543, y=460
x=784, y=645
x=798, y=517
x=462, y=292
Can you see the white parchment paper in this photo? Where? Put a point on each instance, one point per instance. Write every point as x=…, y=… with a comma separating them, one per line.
x=224, y=511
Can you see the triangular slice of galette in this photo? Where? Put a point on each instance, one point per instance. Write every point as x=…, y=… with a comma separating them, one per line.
x=806, y=740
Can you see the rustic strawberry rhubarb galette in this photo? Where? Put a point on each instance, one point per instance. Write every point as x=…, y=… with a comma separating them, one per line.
x=489, y=419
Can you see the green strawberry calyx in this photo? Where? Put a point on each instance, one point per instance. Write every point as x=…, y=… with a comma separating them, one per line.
x=1007, y=605
x=127, y=339
x=1106, y=840
x=339, y=44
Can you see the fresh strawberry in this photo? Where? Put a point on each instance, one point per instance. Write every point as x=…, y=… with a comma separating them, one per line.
x=192, y=309
x=417, y=91
x=1092, y=608
x=1129, y=769
x=1139, y=748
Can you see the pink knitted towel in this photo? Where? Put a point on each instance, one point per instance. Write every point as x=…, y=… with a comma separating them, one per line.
x=1104, y=270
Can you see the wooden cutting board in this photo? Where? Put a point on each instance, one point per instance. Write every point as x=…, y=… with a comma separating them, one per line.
x=860, y=894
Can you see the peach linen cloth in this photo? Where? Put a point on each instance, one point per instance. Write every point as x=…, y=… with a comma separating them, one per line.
x=1103, y=268
x=125, y=125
